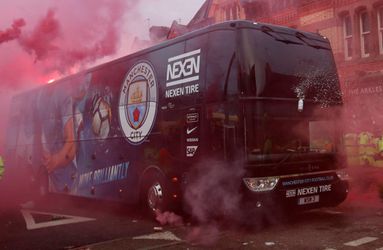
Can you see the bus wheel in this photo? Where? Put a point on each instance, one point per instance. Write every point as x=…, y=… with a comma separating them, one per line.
x=154, y=197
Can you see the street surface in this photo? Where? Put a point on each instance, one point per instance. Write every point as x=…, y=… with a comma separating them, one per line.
x=66, y=223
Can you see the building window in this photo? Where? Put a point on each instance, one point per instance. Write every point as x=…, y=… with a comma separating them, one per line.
x=347, y=33
x=236, y=12
x=364, y=25
x=228, y=13
x=380, y=29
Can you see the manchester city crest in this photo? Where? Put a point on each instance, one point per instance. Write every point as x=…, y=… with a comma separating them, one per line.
x=138, y=102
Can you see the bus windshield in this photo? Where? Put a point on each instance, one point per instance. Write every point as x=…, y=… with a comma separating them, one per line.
x=276, y=127
x=281, y=70
x=289, y=66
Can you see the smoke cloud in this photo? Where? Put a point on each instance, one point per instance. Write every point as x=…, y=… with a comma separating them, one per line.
x=214, y=191
x=66, y=46
x=213, y=198
x=13, y=32
x=39, y=42
x=168, y=218
x=50, y=40
x=366, y=190
x=47, y=39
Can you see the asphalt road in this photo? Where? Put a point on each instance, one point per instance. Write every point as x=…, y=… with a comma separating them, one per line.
x=353, y=225
x=59, y=222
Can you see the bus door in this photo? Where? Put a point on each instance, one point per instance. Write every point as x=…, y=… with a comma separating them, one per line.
x=223, y=130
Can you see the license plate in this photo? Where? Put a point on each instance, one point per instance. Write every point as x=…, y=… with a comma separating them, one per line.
x=308, y=200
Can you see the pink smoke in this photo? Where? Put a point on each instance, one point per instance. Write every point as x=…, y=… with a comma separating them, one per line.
x=52, y=43
x=205, y=235
x=366, y=187
x=13, y=32
x=40, y=42
x=67, y=46
x=52, y=40
x=168, y=218
x=213, y=191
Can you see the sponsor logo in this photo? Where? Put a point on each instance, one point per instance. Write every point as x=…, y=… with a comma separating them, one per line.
x=308, y=180
x=291, y=193
x=192, y=118
x=187, y=90
x=183, y=69
x=308, y=190
x=312, y=167
x=191, y=150
x=192, y=139
x=189, y=131
x=138, y=102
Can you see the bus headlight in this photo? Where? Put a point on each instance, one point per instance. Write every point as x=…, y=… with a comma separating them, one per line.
x=343, y=175
x=261, y=184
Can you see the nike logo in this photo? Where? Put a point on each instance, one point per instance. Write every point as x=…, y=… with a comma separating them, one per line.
x=189, y=131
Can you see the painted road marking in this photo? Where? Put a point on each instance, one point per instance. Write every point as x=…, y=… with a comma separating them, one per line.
x=158, y=236
x=332, y=212
x=63, y=219
x=361, y=241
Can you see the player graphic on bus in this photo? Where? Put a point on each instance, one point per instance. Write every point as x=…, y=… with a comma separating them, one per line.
x=57, y=138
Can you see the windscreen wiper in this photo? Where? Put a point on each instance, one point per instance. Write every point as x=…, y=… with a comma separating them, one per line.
x=309, y=42
x=268, y=31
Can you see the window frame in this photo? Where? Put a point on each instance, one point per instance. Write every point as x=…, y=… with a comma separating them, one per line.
x=364, y=35
x=380, y=28
x=347, y=37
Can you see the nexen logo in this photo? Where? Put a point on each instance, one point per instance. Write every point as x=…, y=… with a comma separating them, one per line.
x=183, y=68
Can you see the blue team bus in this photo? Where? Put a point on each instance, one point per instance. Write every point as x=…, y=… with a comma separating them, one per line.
x=260, y=98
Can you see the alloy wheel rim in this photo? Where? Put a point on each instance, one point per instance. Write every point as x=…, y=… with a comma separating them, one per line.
x=155, y=195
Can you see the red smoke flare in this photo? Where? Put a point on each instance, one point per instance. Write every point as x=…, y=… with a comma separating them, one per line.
x=57, y=44
x=12, y=33
x=40, y=42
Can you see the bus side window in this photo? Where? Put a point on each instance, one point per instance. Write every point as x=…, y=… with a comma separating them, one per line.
x=170, y=131
x=231, y=87
x=253, y=82
x=229, y=135
x=219, y=61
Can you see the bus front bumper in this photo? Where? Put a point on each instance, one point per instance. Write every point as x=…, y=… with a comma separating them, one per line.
x=298, y=197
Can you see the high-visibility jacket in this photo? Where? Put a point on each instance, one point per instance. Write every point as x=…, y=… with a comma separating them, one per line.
x=364, y=138
x=380, y=144
x=1, y=166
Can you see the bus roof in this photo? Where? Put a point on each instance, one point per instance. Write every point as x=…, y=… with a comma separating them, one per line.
x=235, y=24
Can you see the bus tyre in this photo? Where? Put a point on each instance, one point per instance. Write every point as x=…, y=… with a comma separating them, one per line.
x=154, y=194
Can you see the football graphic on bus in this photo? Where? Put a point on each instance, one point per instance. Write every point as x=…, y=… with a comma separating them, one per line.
x=101, y=120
